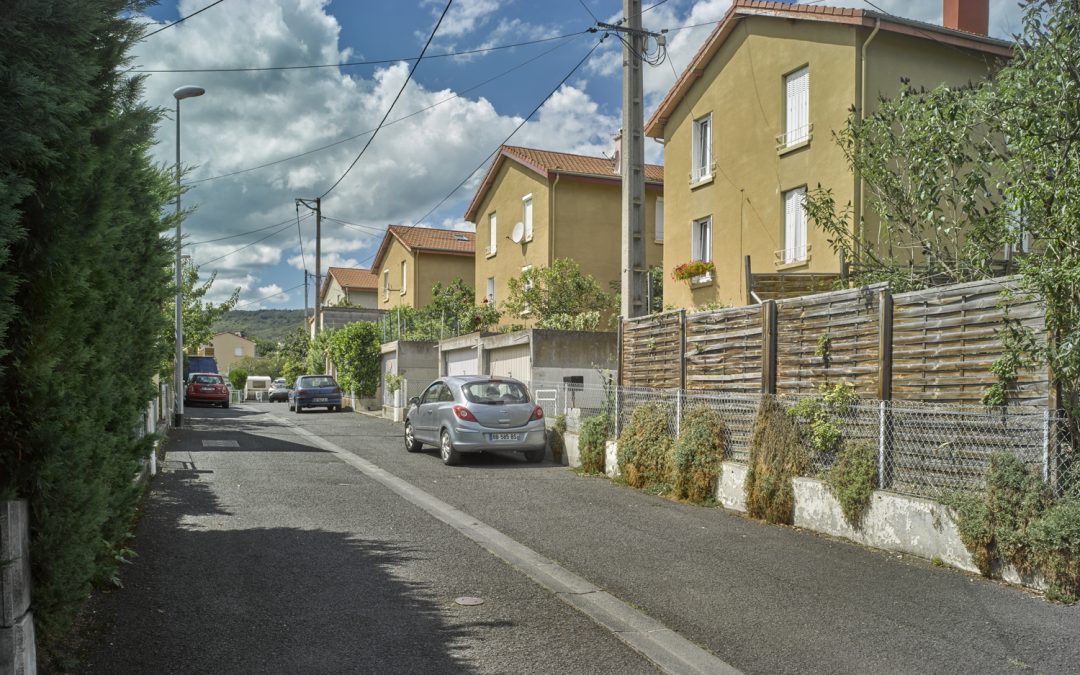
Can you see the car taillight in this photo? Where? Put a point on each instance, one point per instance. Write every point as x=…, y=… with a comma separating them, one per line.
x=299, y=392
x=538, y=414
x=464, y=413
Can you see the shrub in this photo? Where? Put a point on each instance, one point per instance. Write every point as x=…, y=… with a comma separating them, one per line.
x=852, y=479
x=699, y=453
x=645, y=447
x=555, y=438
x=776, y=456
x=238, y=378
x=354, y=350
x=1055, y=544
x=822, y=415
x=593, y=442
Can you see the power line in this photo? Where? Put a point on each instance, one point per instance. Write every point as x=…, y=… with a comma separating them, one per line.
x=240, y=234
x=267, y=297
x=586, y=7
x=300, y=236
x=183, y=18
x=237, y=250
x=391, y=122
x=375, y=62
x=394, y=102
x=506, y=140
x=362, y=228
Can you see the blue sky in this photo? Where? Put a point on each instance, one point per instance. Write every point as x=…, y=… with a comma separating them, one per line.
x=249, y=119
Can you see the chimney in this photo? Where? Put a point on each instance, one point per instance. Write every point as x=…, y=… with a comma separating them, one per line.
x=617, y=155
x=970, y=16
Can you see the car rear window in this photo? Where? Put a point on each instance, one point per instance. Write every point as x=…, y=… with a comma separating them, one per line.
x=494, y=392
x=317, y=382
x=209, y=379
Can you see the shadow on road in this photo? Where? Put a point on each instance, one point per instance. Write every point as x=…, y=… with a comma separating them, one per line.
x=206, y=597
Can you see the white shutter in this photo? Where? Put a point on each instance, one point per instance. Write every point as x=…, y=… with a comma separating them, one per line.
x=797, y=91
x=659, y=228
x=795, y=225
x=528, y=217
x=491, y=290
x=494, y=240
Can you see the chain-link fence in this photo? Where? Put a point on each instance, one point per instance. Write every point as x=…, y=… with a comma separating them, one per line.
x=923, y=449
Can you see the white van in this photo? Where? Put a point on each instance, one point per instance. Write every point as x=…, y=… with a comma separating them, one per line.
x=257, y=388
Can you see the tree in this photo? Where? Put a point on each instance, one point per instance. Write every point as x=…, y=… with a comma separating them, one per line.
x=452, y=311
x=199, y=316
x=355, y=352
x=559, y=296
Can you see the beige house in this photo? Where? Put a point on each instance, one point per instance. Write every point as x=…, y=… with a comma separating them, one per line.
x=227, y=349
x=748, y=128
x=350, y=287
x=534, y=206
x=411, y=260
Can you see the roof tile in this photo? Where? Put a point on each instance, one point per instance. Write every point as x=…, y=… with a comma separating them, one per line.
x=431, y=239
x=601, y=167
x=354, y=277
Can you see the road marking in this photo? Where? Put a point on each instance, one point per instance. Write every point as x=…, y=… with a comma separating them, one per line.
x=667, y=649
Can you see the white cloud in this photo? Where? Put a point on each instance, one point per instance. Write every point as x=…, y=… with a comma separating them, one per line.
x=272, y=294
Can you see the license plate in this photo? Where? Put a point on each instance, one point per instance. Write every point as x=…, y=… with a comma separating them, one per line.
x=320, y=400
x=208, y=389
x=504, y=437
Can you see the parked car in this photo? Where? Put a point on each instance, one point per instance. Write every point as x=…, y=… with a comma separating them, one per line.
x=279, y=392
x=279, y=382
x=207, y=388
x=315, y=391
x=476, y=413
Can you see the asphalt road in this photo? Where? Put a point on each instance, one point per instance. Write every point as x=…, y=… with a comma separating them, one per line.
x=278, y=556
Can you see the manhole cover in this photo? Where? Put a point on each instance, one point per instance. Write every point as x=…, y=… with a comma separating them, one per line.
x=469, y=601
x=220, y=444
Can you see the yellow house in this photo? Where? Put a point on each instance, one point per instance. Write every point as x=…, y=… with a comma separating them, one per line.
x=227, y=349
x=534, y=206
x=411, y=260
x=352, y=287
x=748, y=127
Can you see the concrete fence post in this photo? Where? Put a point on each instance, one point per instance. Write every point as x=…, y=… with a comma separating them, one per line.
x=17, y=648
x=881, y=443
x=678, y=411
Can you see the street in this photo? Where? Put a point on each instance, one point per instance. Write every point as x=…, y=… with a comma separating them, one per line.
x=261, y=548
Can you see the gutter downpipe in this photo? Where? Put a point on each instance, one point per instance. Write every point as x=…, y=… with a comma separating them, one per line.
x=859, y=183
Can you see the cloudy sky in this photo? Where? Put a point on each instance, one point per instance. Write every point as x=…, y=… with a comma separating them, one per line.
x=259, y=139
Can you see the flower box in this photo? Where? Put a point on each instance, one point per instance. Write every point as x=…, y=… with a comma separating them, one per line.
x=692, y=270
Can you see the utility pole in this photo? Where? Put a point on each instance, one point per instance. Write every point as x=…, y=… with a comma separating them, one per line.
x=317, y=208
x=305, y=295
x=633, y=279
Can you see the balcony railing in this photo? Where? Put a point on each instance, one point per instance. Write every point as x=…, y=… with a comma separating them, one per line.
x=795, y=254
x=795, y=137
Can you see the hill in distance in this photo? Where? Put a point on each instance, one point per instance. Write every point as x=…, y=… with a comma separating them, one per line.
x=264, y=324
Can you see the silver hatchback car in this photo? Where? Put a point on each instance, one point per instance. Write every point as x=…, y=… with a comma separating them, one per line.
x=474, y=413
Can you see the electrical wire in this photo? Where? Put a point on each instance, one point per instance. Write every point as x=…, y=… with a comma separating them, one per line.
x=183, y=18
x=586, y=7
x=240, y=234
x=506, y=140
x=237, y=250
x=391, y=122
x=376, y=62
x=300, y=236
x=362, y=228
x=394, y=102
x=263, y=299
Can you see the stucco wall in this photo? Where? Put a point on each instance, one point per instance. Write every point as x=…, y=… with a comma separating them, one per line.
x=225, y=346
x=396, y=253
x=432, y=268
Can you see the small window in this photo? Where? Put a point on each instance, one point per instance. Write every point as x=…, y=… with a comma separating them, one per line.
x=491, y=291
x=386, y=285
x=659, y=228
x=527, y=216
x=527, y=285
x=794, y=226
x=702, y=151
x=796, y=108
x=404, y=276
x=493, y=241
x=238, y=351
x=701, y=244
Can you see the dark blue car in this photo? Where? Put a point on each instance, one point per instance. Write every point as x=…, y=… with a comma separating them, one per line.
x=315, y=391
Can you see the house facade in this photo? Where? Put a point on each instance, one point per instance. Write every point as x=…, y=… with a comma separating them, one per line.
x=411, y=260
x=568, y=206
x=227, y=349
x=350, y=287
x=748, y=129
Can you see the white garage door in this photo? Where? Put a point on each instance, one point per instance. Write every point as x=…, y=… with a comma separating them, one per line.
x=461, y=362
x=510, y=362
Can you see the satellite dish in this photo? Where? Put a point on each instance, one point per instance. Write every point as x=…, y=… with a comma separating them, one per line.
x=519, y=233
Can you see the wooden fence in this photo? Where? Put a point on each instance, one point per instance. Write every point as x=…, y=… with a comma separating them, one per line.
x=935, y=345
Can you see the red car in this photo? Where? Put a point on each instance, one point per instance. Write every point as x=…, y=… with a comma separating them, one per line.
x=207, y=388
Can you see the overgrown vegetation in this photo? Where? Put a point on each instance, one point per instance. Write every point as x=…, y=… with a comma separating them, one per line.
x=1019, y=347
x=199, y=315
x=555, y=438
x=698, y=455
x=645, y=447
x=354, y=351
x=85, y=280
x=1016, y=521
x=560, y=296
x=822, y=416
x=451, y=312
x=776, y=456
x=852, y=479
x=592, y=443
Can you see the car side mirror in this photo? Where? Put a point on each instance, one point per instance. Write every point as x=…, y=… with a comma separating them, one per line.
x=415, y=400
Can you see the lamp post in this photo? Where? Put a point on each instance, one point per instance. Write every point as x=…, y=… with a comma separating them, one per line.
x=178, y=407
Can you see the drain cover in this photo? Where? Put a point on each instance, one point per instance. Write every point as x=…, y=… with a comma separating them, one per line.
x=220, y=444
x=469, y=601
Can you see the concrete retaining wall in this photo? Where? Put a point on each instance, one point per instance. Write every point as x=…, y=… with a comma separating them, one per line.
x=17, y=652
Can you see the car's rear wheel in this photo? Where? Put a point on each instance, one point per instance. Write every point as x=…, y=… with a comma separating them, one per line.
x=534, y=456
x=225, y=404
x=449, y=455
x=297, y=408
x=411, y=444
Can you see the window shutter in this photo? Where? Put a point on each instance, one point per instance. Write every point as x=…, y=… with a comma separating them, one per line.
x=797, y=91
x=493, y=242
x=659, y=227
x=528, y=217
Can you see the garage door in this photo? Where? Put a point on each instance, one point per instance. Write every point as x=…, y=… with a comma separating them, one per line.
x=461, y=362
x=510, y=362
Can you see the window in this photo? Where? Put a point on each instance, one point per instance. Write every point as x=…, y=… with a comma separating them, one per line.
x=527, y=278
x=701, y=244
x=659, y=236
x=386, y=285
x=493, y=241
x=208, y=351
x=527, y=216
x=238, y=351
x=797, y=108
x=702, y=155
x=794, y=226
x=491, y=291
x=404, y=276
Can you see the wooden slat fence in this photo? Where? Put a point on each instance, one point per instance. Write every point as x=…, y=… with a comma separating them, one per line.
x=651, y=353
x=724, y=350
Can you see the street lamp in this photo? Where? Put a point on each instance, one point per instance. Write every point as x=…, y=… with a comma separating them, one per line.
x=178, y=407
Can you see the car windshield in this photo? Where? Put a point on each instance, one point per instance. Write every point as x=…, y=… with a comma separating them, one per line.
x=208, y=379
x=317, y=382
x=495, y=392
